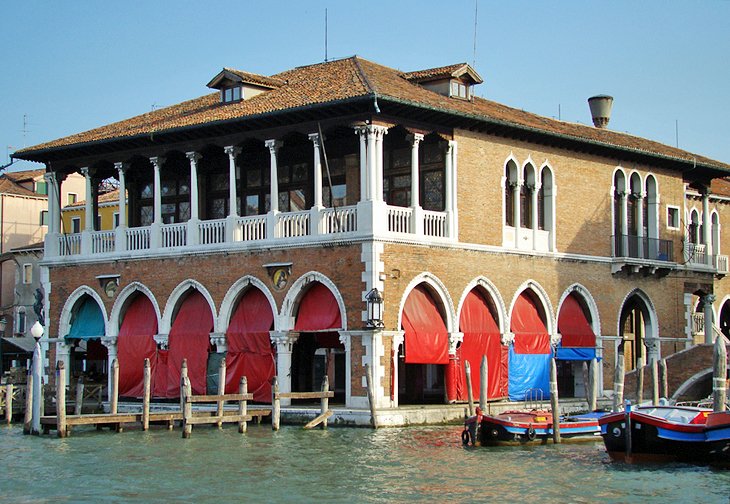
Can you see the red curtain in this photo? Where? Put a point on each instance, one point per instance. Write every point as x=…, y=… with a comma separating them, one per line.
x=574, y=326
x=426, y=339
x=481, y=337
x=318, y=310
x=189, y=339
x=249, y=346
x=135, y=344
x=531, y=336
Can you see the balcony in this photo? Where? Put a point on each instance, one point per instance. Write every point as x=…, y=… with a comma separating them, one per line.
x=696, y=256
x=314, y=225
x=635, y=253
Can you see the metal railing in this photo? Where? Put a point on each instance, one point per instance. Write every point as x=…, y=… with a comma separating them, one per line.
x=641, y=247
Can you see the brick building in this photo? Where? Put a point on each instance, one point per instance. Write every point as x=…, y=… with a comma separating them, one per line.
x=259, y=217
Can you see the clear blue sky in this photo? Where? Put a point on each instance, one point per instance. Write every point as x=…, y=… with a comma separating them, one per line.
x=71, y=66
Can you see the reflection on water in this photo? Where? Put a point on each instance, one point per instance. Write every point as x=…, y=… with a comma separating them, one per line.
x=413, y=464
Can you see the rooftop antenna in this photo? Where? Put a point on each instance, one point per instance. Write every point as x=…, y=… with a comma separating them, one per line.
x=476, y=8
x=25, y=128
x=325, y=34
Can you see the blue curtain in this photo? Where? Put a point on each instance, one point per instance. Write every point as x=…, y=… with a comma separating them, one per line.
x=576, y=354
x=88, y=322
x=528, y=371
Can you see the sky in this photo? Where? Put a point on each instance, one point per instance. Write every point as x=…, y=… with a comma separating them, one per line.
x=71, y=66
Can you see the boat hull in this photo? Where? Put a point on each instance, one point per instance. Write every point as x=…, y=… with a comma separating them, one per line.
x=524, y=428
x=654, y=439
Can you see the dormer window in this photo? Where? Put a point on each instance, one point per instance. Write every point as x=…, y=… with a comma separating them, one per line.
x=231, y=94
x=454, y=81
x=235, y=85
x=460, y=90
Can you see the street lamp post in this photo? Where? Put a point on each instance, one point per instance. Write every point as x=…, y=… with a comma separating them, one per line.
x=37, y=332
x=3, y=323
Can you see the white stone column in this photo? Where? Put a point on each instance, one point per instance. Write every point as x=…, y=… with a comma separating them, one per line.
x=111, y=350
x=193, y=233
x=89, y=203
x=707, y=226
x=640, y=201
x=709, y=322
x=120, y=237
x=284, y=341
x=516, y=209
x=688, y=320
x=274, y=146
x=315, y=214
x=380, y=132
x=232, y=233
x=535, y=191
x=372, y=164
x=52, y=237
x=361, y=132
x=155, y=228
x=416, y=209
x=219, y=341
x=624, y=224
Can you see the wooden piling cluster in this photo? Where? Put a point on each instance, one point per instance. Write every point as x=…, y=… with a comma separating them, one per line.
x=323, y=395
x=220, y=417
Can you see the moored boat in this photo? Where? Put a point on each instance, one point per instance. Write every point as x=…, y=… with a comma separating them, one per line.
x=529, y=426
x=667, y=433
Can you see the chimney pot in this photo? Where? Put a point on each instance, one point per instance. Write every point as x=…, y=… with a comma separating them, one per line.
x=600, y=110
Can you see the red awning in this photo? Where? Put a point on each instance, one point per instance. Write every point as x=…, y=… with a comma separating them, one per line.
x=135, y=343
x=426, y=339
x=574, y=326
x=481, y=337
x=189, y=339
x=318, y=310
x=249, y=346
x=531, y=335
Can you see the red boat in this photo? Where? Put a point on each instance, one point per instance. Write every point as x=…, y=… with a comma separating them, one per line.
x=520, y=427
x=667, y=433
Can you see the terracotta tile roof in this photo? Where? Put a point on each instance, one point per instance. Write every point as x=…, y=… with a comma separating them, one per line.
x=108, y=197
x=354, y=77
x=10, y=183
x=720, y=186
x=441, y=73
x=259, y=80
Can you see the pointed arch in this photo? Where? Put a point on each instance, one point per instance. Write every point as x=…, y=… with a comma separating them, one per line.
x=492, y=291
x=297, y=291
x=233, y=296
x=637, y=323
x=173, y=302
x=438, y=288
x=69, y=309
x=577, y=325
x=121, y=303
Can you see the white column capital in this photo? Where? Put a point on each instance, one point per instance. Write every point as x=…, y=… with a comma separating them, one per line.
x=232, y=150
x=314, y=137
x=121, y=167
x=157, y=161
x=414, y=138
x=193, y=156
x=273, y=145
x=86, y=171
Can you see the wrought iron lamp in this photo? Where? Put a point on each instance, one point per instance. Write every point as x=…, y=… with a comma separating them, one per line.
x=375, y=308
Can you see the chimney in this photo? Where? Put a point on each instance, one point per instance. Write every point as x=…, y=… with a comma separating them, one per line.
x=600, y=110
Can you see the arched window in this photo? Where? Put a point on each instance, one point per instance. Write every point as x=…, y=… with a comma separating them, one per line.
x=545, y=200
x=526, y=193
x=651, y=217
x=510, y=181
x=715, y=234
x=694, y=227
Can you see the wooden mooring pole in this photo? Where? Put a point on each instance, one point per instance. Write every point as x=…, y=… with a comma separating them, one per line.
x=221, y=390
x=654, y=382
x=470, y=395
x=114, y=392
x=639, y=381
x=79, y=398
x=28, y=403
x=483, y=383
x=9, y=403
x=664, y=378
x=185, y=392
x=593, y=383
x=242, y=405
x=146, y=383
x=275, y=404
x=618, y=383
x=325, y=400
x=719, y=371
x=554, y=404
x=61, y=399
x=371, y=395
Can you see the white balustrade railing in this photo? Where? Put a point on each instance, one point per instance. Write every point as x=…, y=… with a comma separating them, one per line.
x=251, y=228
x=102, y=242
x=138, y=238
x=69, y=244
x=695, y=253
x=292, y=224
x=721, y=264
x=174, y=235
x=399, y=219
x=339, y=220
x=212, y=231
x=434, y=223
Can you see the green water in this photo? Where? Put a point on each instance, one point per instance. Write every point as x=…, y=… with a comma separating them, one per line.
x=416, y=464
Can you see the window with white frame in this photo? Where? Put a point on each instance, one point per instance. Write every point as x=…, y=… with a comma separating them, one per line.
x=673, y=217
x=27, y=274
x=231, y=94
x=116, y=219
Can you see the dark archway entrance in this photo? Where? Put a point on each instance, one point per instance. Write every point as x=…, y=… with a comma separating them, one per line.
x=634, y=326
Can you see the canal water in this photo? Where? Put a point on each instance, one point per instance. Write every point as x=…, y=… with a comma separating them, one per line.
x=415, y=464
